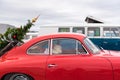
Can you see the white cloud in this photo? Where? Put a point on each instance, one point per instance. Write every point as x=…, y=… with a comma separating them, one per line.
x=16, y=12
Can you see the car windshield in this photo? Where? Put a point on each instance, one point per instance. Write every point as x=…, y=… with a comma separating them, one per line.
x=91, y=46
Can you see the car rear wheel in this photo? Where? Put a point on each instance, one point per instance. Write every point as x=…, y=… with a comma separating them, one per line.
x=17, y=77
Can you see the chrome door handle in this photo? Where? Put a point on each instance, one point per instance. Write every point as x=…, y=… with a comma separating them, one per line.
x=51, y=65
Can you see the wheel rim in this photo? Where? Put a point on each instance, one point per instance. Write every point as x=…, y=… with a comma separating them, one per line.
x=19, y=77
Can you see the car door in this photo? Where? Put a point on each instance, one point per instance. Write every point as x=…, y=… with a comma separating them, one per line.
x=75, y=63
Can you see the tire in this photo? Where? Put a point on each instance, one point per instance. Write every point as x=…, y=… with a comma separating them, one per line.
x=17, y=77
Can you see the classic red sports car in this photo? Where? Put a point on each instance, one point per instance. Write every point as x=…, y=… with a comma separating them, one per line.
x=64, y=56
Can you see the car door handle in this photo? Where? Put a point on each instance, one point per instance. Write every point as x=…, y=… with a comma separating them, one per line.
x=51, y=65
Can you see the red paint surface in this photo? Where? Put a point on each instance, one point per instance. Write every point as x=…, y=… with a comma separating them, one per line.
x=102, y=66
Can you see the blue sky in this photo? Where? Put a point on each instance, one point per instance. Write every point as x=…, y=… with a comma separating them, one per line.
x=17, y=12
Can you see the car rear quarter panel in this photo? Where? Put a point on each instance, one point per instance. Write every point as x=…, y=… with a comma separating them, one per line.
x=30, y=65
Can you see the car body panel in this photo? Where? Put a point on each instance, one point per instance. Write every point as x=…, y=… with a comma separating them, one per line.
x=104, y=65
x=79, y=67
x=32, y=65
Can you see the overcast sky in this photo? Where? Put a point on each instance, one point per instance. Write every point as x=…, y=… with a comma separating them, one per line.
x=17, y=12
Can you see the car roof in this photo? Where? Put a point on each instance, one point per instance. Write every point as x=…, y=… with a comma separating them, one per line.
x=58, y=35
x=55, y=35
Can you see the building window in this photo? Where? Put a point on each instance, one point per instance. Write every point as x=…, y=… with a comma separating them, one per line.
x=79, y=30
x=64, y=30
x=33, y=36
x=27, y=37
x=93, y=31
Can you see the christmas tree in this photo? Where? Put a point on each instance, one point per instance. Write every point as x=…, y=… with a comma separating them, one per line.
x=14, y=35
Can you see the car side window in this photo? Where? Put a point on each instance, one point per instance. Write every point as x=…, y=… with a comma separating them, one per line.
x=67, y=46
x=39, y=48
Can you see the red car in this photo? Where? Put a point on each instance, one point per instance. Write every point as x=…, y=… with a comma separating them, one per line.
x=64, y=56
